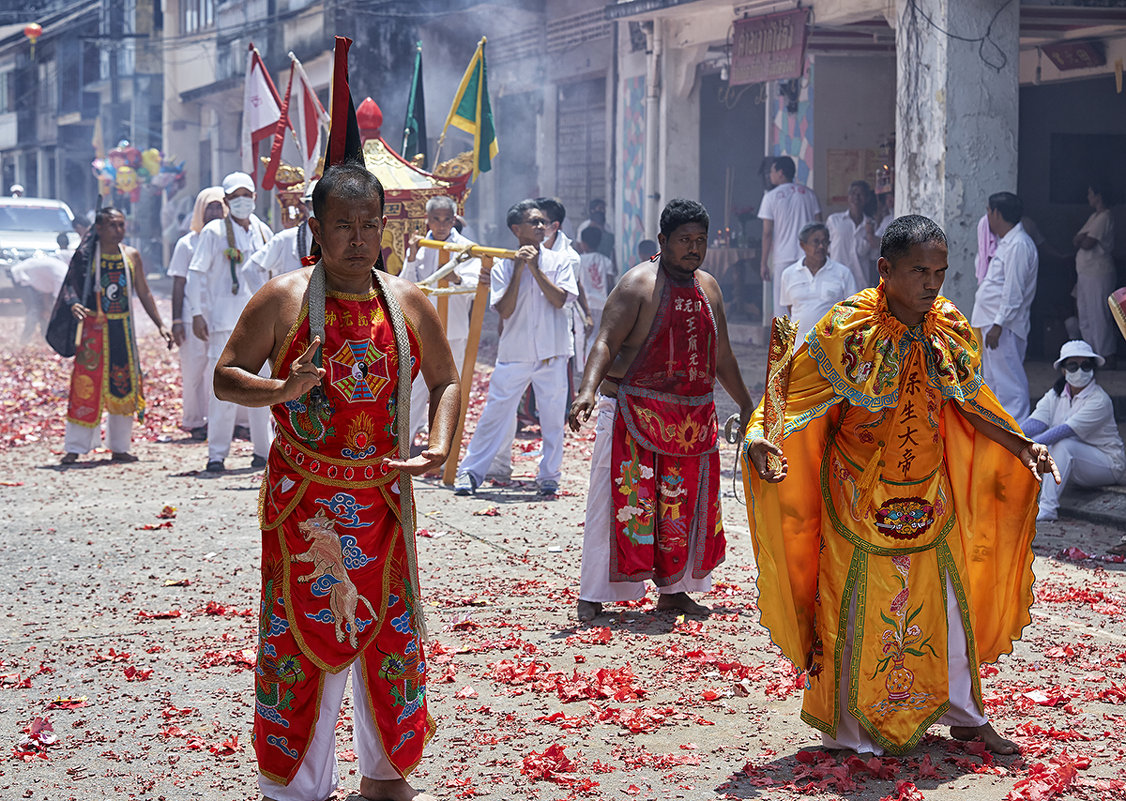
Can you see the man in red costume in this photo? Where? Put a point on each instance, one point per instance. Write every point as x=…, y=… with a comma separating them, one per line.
x=339, y=571
x=653, y=510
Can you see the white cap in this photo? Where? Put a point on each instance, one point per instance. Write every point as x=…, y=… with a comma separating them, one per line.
x=237, y=180
x=308, y=196
x=1078, y=349
x=16, y=188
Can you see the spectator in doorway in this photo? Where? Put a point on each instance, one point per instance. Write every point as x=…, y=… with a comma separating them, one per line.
x=1003, y=302
x=597, y=219
x=785, y=208
x=1094, y=267
x=1075, y=419
x=646, y=250
x=815, y=283
x=849, y=234
x=596, y=278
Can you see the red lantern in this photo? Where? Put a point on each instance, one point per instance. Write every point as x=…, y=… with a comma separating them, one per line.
x=33, y=30
x=369, y=119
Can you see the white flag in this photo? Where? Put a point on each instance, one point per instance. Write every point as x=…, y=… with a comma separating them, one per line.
x=261, y=110
x=308, y=119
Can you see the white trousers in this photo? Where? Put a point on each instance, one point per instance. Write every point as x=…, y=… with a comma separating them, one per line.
x=82, y=439
x=963, y=710
x=1077, y=461
x=548, y=379
x=319, y=776
x=195, y=379
x=420, y=395
x=501, y=466
x=594, y=578
x=221, y=415
x=1095, y=321
x=1003, y=370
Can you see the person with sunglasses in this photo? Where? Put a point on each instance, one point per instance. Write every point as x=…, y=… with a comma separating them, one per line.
x=1075, y=419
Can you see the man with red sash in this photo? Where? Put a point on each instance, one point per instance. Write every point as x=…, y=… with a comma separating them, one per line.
x=653, y=510
x=339, y=571
x=104, y=275
x=895, y=557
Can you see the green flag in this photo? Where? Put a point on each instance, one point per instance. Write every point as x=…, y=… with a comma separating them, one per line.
x=471, y=112
x=414, y=131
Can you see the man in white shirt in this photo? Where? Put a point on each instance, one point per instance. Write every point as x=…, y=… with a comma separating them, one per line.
x=555, y=240
x=816, y=283
x=421, y=263
x=783, y=211
x=195, y=378
x=285, y=250
x=530, y=293
x=218, y=294
x=1002, y=305
x=851, y=233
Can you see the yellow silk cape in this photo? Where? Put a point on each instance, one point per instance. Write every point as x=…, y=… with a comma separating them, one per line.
x=854, y=365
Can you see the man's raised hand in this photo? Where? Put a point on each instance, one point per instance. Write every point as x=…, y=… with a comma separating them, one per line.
x=1036, y=458
x=757, y=450
x=303, y=373
x=528, y=253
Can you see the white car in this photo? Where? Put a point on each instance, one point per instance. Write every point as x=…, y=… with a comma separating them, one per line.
x=29, y=224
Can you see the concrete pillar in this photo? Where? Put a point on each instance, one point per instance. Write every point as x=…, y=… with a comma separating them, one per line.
x=956, y=120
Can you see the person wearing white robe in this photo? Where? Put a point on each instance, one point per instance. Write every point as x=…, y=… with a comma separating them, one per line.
x=849, y=237
x=1075, y=419
x=1095, y=274
x=218, y=296
x=1003, y=303
x=195, y=378
x=284, y=251
x=421, y=263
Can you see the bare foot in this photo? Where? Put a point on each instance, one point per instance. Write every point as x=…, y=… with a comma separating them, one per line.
x=993, y=741
x=679, y=601
x=392, y=790
x=588, y=610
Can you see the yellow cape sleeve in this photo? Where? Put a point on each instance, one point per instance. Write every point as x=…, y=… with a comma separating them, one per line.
x=995, y=498
x=785, y=518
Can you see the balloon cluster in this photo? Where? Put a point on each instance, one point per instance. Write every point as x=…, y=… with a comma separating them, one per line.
x=125, y=170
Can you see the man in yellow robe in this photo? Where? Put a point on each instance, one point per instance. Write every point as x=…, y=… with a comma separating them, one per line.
x=896, y=555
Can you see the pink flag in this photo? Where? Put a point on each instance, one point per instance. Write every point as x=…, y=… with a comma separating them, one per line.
x=261, y=110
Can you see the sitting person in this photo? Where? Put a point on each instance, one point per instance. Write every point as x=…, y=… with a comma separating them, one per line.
x=1075, y=419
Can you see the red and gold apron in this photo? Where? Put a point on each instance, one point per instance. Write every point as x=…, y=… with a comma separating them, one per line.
x=664, y=457
x=335, y=579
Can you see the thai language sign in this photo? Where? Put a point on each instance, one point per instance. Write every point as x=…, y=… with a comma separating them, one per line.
x=769, y=48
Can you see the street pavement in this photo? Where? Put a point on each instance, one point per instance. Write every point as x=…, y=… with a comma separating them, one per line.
x=129, y=626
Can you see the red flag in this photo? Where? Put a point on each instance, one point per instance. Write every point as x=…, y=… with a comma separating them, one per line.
x=303, y=114
x=309, y=119
x=344, y=134
x=261, y=109
x=280, y=127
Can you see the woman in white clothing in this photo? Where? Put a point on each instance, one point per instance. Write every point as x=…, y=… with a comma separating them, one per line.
x=1094, y=266
x=1075, y=419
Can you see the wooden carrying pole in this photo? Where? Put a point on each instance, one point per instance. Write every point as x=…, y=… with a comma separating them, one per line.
x=476, y=320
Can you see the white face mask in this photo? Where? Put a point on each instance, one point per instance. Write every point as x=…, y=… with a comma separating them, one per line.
x=1080, y=378
x=241, y=207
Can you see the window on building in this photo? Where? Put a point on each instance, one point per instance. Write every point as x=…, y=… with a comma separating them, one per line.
x=580, y=146
x=196, y=15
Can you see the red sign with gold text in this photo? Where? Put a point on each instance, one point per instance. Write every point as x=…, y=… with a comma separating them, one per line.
x=769, y=48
